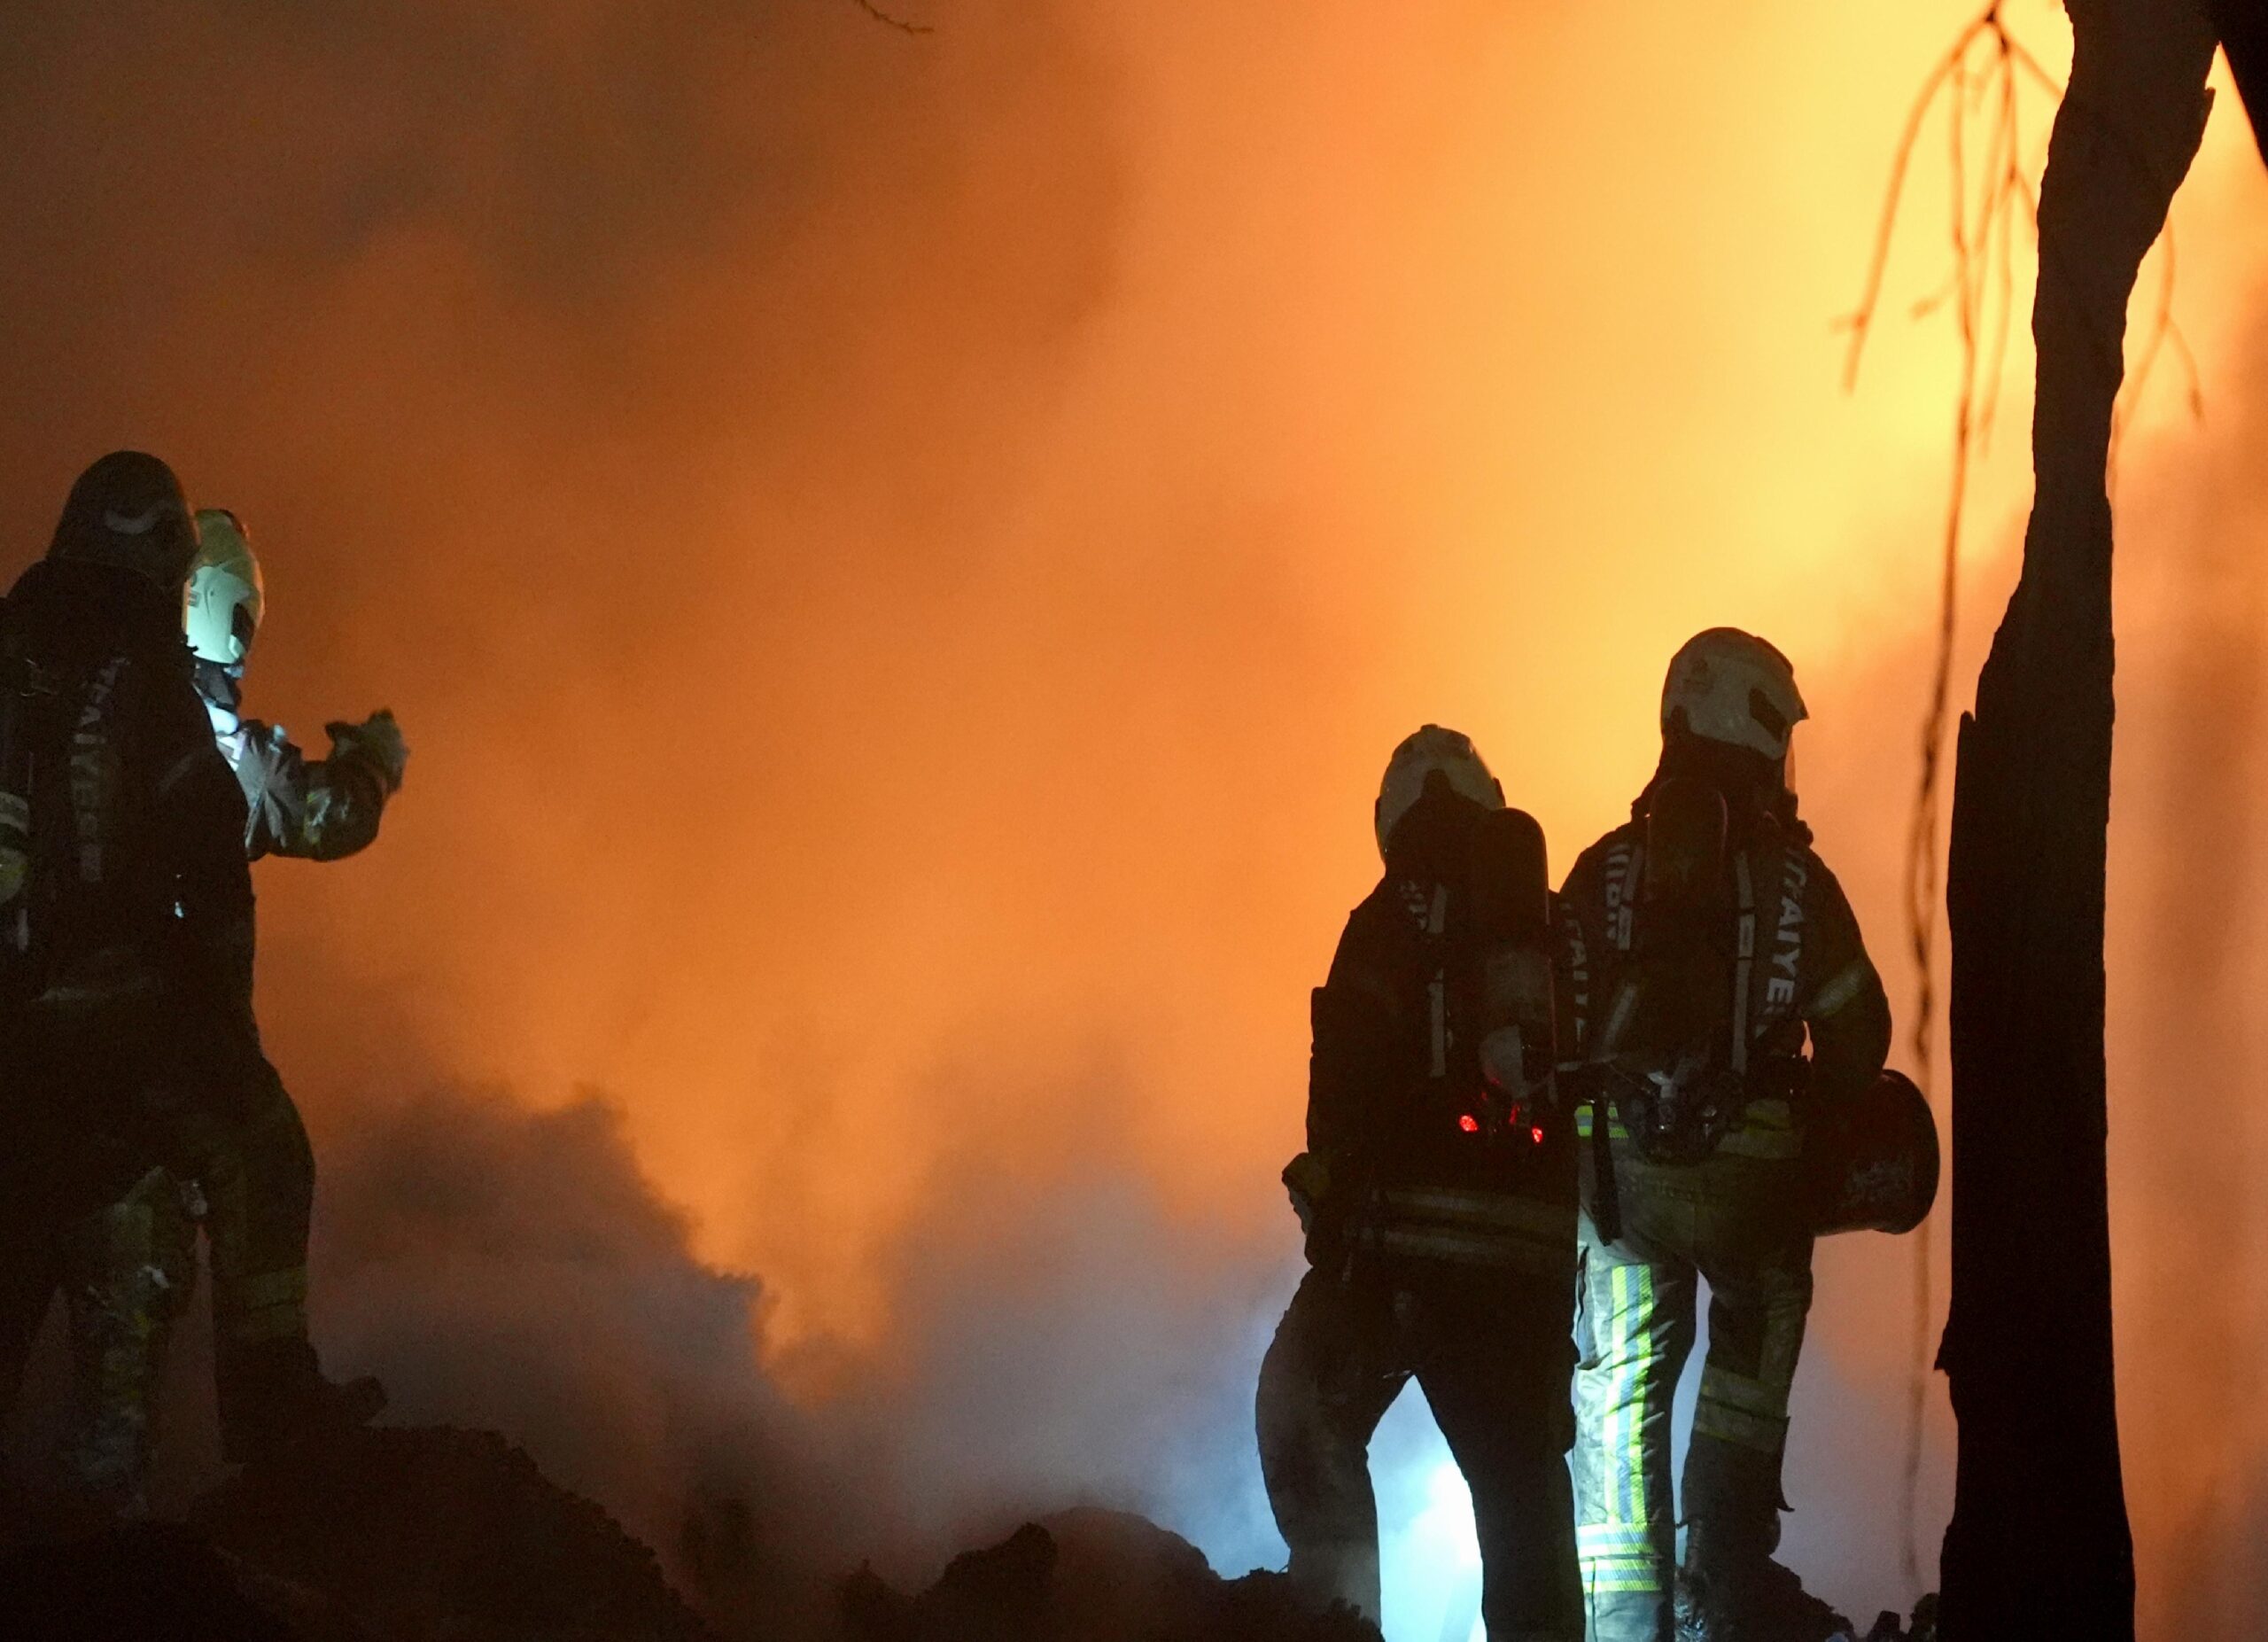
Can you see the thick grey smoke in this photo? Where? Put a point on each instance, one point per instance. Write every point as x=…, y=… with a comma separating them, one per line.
x=1056, y=1345
x=2188, y=1030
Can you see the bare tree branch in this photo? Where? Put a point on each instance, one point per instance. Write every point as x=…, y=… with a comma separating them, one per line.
x=1986, y=208
x=889, y=21
x=1980, y=77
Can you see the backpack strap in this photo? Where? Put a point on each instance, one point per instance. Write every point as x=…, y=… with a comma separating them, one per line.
x=1780, y=998
x=1743, y=959
x=1625, y=866
x=92, y=803
x=1437, y=985
x=20, y=684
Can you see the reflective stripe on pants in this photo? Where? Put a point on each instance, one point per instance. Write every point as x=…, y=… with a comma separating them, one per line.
x=1635, y=1331
x=1726, y=1219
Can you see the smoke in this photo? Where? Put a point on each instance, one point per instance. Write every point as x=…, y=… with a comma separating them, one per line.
x=898, y=558
x=2186, y=1029
x=507, y=1269
x=500, y=1267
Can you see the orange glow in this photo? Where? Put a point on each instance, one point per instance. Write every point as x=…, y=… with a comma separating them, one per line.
x=901, y=564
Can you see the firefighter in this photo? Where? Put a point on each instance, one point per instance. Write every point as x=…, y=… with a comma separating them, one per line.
x=1438, y=1197
x=125, y=904
x=131, y=1265
x=1733, y=1007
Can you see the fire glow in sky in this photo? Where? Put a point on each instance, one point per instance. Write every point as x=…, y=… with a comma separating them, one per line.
x=901, y=558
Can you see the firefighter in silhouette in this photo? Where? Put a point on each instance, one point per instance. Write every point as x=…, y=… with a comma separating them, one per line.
x=132, y=1265
x=1438, y=1197
x=1731, y=1009
x=125, y=902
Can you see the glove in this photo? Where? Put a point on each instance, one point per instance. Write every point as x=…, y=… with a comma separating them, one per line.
x=1328, y=1199
x=1307, y=1178
x=376, y=742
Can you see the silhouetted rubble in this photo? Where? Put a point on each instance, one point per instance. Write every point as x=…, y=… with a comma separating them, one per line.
x=1090, y=1575
x=434, y=1534
x=1796, y=1615
x=426, y=1534
x=151, y=1582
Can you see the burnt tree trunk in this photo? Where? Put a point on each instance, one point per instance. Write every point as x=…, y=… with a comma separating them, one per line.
x=2039, y=1543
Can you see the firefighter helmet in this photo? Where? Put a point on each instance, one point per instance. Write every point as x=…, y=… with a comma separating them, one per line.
x=1415, y=760
x=1876, y=1161
x=222, y=605
x=1732, y=686
x=127, y=510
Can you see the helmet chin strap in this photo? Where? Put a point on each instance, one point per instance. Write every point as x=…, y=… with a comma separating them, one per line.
x=1749, y=779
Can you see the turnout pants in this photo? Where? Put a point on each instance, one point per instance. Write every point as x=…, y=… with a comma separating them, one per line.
x=1733, y=1220
x=129, y=1269
x=104, y=1093
x=85, y=1118
x=1491, y=1351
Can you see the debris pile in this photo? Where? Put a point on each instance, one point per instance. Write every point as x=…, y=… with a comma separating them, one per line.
x=1793, y=1615
x=435, y=1534
x=407, y=1534
x=1091, y=1575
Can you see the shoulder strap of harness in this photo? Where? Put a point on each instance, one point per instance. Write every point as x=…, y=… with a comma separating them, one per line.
x=92, y=739
x=1743, y=959
x=1437, y=983
x=1625, y=868
x=1780, y=1001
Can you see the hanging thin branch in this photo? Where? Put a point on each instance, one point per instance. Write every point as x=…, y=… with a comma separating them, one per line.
x=1980, y=77
x=1977, y=78
x=2164, y=332
x=889, y=21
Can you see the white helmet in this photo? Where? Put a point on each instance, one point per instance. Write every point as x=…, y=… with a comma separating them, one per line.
x=221, y=606
x=1433, y=748
x=1732, y=686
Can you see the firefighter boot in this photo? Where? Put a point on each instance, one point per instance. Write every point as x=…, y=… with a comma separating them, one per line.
x=1731, y=1589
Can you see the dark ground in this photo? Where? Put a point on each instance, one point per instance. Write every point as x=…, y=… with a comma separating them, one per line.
x=434, y=1534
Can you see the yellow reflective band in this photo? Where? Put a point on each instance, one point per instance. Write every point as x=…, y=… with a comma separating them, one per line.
x=1641, y=1384
x=1614, y=1538
x=1646, y=1577
x=1759, y=1433
x=1841, y=992
x=1614, y=1128
x=1642, y=1558
x=1618, y=1395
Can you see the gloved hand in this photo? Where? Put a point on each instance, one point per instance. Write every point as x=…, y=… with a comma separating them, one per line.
x=377, y=742
x=1307, y=1178
x=1327, y=1194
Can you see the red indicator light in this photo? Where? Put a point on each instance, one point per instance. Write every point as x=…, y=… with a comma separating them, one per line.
x=1469, y=1124
x=1536, y=1135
